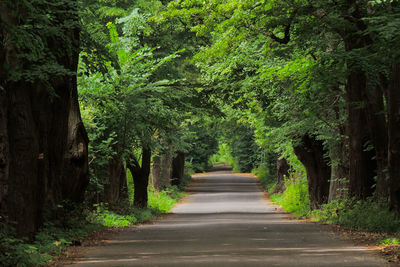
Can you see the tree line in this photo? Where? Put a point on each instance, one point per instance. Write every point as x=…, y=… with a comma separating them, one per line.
x=92, y=92
x=317, y=79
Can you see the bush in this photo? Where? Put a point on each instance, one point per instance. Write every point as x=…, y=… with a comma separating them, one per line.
x=370, y=216
x=367, y=215
x=295, y=198
x=101, y=215
x=164, y=200
x=267, y=179
x=51, y=240
x=330, y=212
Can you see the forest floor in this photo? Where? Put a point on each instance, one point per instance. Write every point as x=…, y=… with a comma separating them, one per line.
x=226, y=221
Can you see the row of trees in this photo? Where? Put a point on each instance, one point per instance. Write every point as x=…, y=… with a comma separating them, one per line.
x=104, y=71
x=321, y=78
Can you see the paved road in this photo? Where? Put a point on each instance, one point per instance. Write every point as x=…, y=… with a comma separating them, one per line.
x=227, y=222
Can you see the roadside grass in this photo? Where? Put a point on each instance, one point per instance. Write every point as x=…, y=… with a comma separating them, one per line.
x=57, y=235
x=295, y=198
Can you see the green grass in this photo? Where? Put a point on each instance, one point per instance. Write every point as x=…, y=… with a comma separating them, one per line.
x=390, y=241
x=295, y=198
x=164, y=200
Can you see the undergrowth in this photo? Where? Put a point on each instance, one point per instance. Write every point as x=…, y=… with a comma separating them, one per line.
x=295, y=198
x=366, y=215
x=56, y=236
x=51, y=240
x=267, y=180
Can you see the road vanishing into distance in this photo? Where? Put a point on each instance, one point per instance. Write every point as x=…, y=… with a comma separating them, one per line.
x=227, y=221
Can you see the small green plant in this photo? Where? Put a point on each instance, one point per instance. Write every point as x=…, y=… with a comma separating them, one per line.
x=330, y=212
x=101, y=215
x=164, y=200
x=295, y=198
x=390, y=241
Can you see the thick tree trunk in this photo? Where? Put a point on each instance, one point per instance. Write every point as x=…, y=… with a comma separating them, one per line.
x=393, y=104
x=75, y=177
x=282, y=167
x=115, y=188
x=379, y=134
x=361, y=164
x=166, y=170
x=311, y=153
x=4, y=153
x=140, y=177
x=339, y=183
x=178, y=168
x=156, y=172
x=43, y=144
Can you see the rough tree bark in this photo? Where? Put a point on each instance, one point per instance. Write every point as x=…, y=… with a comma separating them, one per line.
x=338, y=185
x=282, y=167
x=166, y=170
x=393, y=104
x=43, y=144
x=178, y=168
x=311, y=153
x=379, y=134
x=116, y=188
x=156, y=172
x=361, y=163
x=140, y=175
x=4, y=153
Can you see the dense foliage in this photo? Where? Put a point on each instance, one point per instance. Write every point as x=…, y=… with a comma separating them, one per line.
x=305, y=94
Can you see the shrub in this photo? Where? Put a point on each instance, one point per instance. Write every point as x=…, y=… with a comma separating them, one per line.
x=367, y=215
x=370, y=216
x=295, y=198
x=267, y=179
x=164, y=200
x=330, y=212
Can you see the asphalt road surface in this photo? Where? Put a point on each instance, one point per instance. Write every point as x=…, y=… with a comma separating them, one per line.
x=227, y=221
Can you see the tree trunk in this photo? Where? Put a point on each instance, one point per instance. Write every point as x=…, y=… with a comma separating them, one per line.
x=339, y=183
x=156, y=172
x=393, y=104
x=311, y=153
x=123, y=189
x=379, y=134
x=4, y=153
x=282, y=167
x=140, y=177
x=178, y=168
x=166, y=170
x=115, y=189
x=43, y=144
x=361, y=164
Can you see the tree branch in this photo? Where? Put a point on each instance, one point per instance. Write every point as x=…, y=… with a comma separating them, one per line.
x=286, y=37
